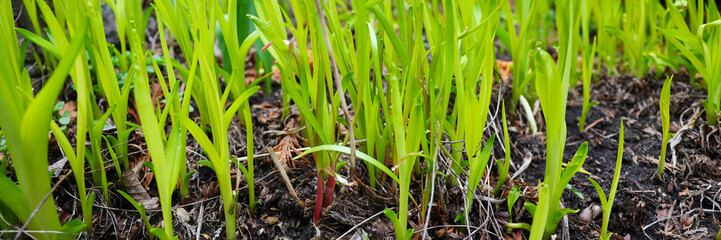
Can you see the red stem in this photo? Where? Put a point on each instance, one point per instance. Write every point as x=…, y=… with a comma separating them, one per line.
x=330, y=187
x=318, y=199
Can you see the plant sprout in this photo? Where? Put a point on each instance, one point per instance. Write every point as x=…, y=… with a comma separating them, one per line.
x=665, y=123
x=607, y=203
x=709, y=65
x=588, y=51
x=25, y=123
x=552, y=83
x=503, y=167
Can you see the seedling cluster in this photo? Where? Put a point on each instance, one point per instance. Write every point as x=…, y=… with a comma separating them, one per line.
x=416, y=80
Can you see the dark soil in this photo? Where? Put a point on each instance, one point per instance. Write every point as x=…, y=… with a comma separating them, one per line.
x=681, y=206
x=677, y=207
x=684, y=205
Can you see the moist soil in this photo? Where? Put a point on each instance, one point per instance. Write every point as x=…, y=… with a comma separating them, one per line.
x=683, y=205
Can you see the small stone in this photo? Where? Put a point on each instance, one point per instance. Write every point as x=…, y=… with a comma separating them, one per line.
x=589, y=213
x=182, y=215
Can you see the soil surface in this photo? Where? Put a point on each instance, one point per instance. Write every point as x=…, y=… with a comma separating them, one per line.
x=683, y=205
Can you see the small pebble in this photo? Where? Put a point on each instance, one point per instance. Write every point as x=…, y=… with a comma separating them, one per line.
x=182, y=214
x=589, y=213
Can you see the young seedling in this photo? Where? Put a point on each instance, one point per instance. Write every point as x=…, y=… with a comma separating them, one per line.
x=310, y=88
x=588, y=51
x=709, y=66
x=141, y=210
x=475, y=102
x=633, y=34
x=552, y=82
x=25, y=122
x=607, y=203
x=474, y=177
x=245, y=36
x=519, y=44
x=513, y=196
x=165, y=166
x=106, y=76
x=607, y=15
x=503, y=167
x=665, y=122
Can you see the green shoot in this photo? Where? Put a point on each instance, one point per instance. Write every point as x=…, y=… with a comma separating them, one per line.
x=513, y=196
x=503, y=167
x=25, y=122
x=236, y=78
x=519, y=45
x=588, y=51
x=474, y=177
x=709, y=65
x=141, y=210
x=634, y=34
x=665, y=123
x=107, y=79
x=212, y=101
x=607, y=15
x=167, y=155
x=552, y=84
x=347, y=150
x=313, y=93
x=475, y=104
x=607, y=203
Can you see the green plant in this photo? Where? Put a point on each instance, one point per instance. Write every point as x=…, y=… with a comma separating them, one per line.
x=64, y=118
x=708, y=45
x=313, y=91
x=168, y=155
x=552, y=83
x=212, y=101
x=217, y=151
x=607, y=203
x=519, y=45
x=511, y=199
x=116, y=94
x=78, y=167
x=177, y=107
x=637, y=35
x=358, y=71
x=665, y=123
x=406, y=145
x=87, y=109
x=607, y=15
x=25, y=122
x=96, y=137
x=475, y=175
x=503, y=167
x=245, y=38
x=347, y=150
x=588, y=51
x=237, y=17
x=476, y=97
x=141, y=210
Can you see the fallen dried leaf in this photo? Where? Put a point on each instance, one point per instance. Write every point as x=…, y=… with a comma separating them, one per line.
x=287, y=144
x=271, y=220
x=69, y=106
x=136, y=190
x=504, y=67
x=687, y=221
